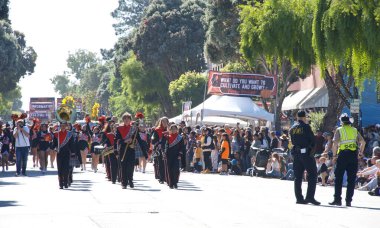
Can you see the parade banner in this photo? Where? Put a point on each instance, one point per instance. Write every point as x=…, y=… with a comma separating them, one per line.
x=78, y=103
x=42, y=108
x=240, y=84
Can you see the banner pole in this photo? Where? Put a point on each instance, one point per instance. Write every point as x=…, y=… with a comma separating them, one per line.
x=204, y=96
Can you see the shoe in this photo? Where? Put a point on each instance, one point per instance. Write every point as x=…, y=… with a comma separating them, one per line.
x=313, y=201
x=60, y=187
x=124, y=186
x=171, y=187
x=24, y=174
x=175, y=186
x=113, y=182
x=131, y=184
x=66, y=186
x=301, y=202
x=17, y=174
x=348, y=204
x=161, y=182
x=336, y=203
x=362, y=188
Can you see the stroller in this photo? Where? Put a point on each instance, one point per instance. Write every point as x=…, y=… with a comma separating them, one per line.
x=261, y=162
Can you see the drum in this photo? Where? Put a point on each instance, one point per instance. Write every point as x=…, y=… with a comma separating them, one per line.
x=98, y=149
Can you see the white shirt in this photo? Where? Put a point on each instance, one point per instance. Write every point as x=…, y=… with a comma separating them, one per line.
x=21, y=139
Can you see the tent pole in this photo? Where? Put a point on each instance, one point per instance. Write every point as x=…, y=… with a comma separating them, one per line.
x=204, y=96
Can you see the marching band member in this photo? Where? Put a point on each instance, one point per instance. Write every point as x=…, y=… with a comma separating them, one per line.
x=44, y=138
x=64, y=141
x=34, y=141
x=127, y=136
x=96, y=140
x=83, y=139
x=52, y=149
x=158, y=142
x=110, y=157
x=172, y=156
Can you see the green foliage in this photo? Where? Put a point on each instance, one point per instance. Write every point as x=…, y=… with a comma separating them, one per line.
x=81, y=61
x=4, y=10
x=278, y=29
x=170, y=37
x=222, y=36
x=128, y=15
x=240, y=67
x=189, y=87
x=61, y=84
x=316, y=122
x=346, y=34
x=10, y=101
x=16, y=59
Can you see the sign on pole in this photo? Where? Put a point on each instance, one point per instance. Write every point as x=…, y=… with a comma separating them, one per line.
x=355, y=106
x=240, y=84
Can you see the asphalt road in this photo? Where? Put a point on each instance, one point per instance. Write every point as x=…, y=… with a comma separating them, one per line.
x=202, y=200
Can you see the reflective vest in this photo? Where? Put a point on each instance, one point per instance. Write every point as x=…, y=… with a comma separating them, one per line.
x=348, y=138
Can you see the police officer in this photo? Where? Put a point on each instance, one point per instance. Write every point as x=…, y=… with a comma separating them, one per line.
x=345, y=149
x=302, y=138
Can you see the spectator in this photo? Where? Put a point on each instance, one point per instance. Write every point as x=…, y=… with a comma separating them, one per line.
x=198, y=156
x=264, y=141
x=323, y=171
x=191, y=144
x=274, y=166
x=319, y=141
x=225, y=152
x=21, y=135
x=274, y=140
x=328, y=144
x=207, y=147
x=372, y=173
x=285, y=140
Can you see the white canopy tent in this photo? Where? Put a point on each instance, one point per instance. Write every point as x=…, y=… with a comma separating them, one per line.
x=242, y=108
x=210, y=120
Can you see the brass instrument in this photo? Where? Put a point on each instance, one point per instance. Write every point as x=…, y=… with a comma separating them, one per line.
x=131, y=144
x=66, y=112
x=107, y=151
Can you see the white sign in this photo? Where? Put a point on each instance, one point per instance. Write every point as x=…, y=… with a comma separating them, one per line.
x=355, y=106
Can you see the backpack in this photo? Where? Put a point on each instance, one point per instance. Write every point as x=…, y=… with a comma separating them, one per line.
x=212, y=145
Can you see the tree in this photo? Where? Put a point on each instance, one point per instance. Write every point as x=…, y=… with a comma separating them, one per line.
x=170, y=37
x=10, y=101
x=4, y=10
x=62, y=84
x=189, y=87
x=81, y=61
x=128, y=14
x=345, y=40
x=16, y=59
x=222, y=36
x=277, y=36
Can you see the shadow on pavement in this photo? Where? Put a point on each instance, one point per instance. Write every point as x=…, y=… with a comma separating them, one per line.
x=8, y=183
x=187, y=186
x=368, y=208
x=80, y=186
x=8, y=203
x=144, y=188
x=29, y=173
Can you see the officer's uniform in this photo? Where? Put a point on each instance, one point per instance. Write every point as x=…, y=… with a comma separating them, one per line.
x=303, y=141
x=346, y=138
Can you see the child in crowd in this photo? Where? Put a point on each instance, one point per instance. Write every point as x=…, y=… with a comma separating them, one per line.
x=323, y=171
x=198, y=156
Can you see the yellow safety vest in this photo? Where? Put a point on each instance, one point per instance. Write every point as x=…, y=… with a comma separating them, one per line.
x=348, y=138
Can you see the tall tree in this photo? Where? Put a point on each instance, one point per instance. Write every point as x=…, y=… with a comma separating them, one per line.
x=171, y=37
x=277, y=35
x=188, y=87
x=80, y=61
x=128, y=15
x=346, y=42
x=62, y=84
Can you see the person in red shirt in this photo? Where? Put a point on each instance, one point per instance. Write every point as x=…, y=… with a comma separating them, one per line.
x=158, y=143
x=172, y=156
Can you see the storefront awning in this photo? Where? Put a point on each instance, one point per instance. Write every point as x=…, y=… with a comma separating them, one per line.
x=291, y=101
x=318, y=98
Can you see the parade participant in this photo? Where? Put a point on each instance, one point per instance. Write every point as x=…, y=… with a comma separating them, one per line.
x=158, y=142
x=22, y=143
x=302, y=138
x=83, y=140
x=5, y=139
x=345, y=148
x=172, y=156
x=126, y=137
x=65, y=146
x=34, y=140
x=44, y=138
x=95, y=141
x=142, y=152
x=52, y=149
x=108, y=137
x=225, y=152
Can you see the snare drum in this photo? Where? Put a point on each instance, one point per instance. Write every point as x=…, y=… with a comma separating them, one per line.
x=98, y=149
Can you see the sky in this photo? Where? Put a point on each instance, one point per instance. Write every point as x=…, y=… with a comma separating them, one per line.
x=55, y=28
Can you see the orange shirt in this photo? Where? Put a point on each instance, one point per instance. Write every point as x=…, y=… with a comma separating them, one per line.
x=198, y=152
x=226, y=153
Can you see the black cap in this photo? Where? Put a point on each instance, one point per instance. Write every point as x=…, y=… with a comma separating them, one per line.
x=301, y=113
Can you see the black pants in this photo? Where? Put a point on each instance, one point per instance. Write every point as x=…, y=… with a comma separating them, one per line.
x=301, y=163
x=347, y=162
x=127, y=166
x=207, y=159
x=108, y=167
x=159, y=168
x=172, y=170
x=113, y=166
x=63, y=169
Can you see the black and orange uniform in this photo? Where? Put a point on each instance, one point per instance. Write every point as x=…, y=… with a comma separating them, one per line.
x=158, y=142
x=64, y=141
x=110, y=159
x=127, y=152
x=172, y=154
